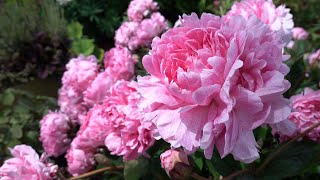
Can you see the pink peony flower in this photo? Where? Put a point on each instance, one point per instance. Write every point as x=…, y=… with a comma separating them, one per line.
x=212, y=82
x=138, y=9
x=176, y=164
x=126, y=35
x=129, y=137
x=299, y=33
x=314, y=57
x=54, y=133
x=278, y=18
x=120, y=63
x=306, y=112
x=150, y=28
x=26, y=165
x=79, y=161
x=81, y=71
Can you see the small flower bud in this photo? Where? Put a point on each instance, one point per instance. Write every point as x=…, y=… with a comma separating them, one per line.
x=176, y=164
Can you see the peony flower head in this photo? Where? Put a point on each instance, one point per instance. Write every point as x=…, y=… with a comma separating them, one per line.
x=314, y=57
x=79, y=161
x=26, y=165
x=54, y=129
x=278, y=18
x=119, y=62
x=212, y=82
x=299, y=33
x=176, y=164
x=138, y=9
x=126, y=35
x=129, y=137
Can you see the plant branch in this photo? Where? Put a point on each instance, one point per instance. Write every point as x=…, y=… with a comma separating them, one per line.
x=235, y=174
x=112, y=168
x=278, y=151
x=198, y=177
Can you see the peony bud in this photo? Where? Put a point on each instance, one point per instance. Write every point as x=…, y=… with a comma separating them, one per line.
x=176, y=164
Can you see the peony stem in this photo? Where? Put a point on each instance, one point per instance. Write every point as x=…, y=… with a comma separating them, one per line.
x=271, y=157
x=198, y=177
x=97, y=172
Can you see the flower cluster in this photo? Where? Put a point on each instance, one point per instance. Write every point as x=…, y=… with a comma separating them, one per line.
x=140, y=30
x=54, y=133
x=26, y=165
x=278, y=18
x=215, y=81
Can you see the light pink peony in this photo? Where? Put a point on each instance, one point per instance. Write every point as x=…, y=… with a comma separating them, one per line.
x=176, y=163
x=54, y=129
x=278, y=18
x=314, y=57
x=129, y=137
x=26, y=165
x=299, y=33
x=306, y=112
x=126, y=35
x=79, y=161
x=81, y=71
x=138, y=9
x=212, y=82
x=150, y=28
x=120, y=63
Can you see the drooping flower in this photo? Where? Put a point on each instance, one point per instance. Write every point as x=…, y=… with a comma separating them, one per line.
x=54, y=129
x=212, y=82
x=138, y=9
x=176, y=164
x=278, y=18
x=306, y=112
x=314, y=57
x=26, y=165
x=299, y=33
x=81, y=71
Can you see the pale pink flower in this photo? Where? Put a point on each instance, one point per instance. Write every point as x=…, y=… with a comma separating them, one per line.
x=79, y=161
x=314, y=57
x=129, y=137
x=126, y=35
x=120, y=63
x=278, y=18
x=138, y=9
x=150, y=28
x=26, y=165
x=54, y=128
x=212, y=82
x=81, y=71
x=299, y=33
x=176, y=164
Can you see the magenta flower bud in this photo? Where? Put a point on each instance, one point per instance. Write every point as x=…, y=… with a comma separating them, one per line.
x=176, y=164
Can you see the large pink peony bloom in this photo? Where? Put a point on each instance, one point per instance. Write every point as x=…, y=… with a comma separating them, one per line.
x=212, y=82
x=81, y=71
x=26, y=165
x=129, y=137
x=54, y=129
x=138, y=9
x=314, y=57
x=278, y=18
x=306, y=112
x=126, y=35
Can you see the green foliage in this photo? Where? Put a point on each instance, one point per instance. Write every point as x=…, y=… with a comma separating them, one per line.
x=81, y=44
x=135, y=169
x=20, y=113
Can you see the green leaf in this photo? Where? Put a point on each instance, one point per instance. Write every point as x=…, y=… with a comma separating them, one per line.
x=225, y=166
x=99, y=53
x=16, y=131
x=292, y=160
x=135, y=169
x=198, y=160
x=8, y=98
x=83, y=46
x=212, y=170
x=75, y=30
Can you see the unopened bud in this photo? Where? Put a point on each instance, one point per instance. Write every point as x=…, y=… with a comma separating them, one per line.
x=176, y=164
